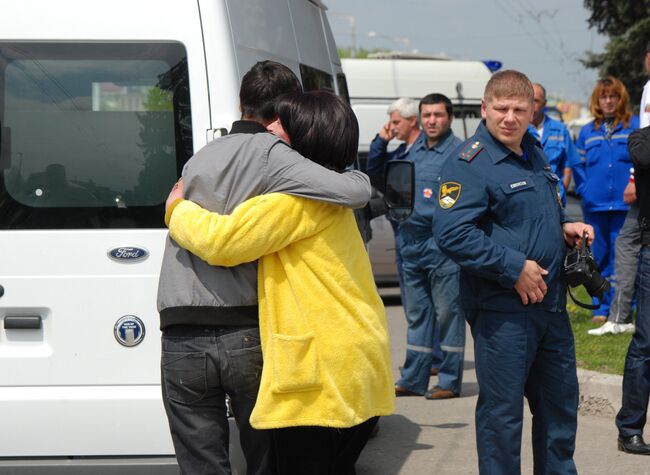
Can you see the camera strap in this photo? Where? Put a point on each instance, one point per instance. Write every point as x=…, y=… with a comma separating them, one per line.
x=583, y=305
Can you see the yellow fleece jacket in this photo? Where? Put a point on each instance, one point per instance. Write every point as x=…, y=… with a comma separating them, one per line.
x=322, y=324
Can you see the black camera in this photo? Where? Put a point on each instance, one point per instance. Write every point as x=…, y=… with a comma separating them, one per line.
x=580, y=268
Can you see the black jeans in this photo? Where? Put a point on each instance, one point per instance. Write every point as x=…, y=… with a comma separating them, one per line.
x=631, y=419
x=320, y=450
x=200, y=366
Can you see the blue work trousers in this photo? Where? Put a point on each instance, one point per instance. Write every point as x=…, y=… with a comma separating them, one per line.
x=525, y=354
x=607, y=225
x=436, y=361
x=432, y=295
x=631, y=418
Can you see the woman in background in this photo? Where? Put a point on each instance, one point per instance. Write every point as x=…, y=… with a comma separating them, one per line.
x=327, y=372
x=603, y=172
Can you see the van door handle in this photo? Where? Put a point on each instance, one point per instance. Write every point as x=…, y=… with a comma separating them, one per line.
x=24, y=322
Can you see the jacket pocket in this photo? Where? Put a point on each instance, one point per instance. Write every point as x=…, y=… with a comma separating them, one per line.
x=520, y=200
x=295, y=363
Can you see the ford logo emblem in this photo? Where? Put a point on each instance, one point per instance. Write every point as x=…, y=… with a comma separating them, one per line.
x=128, y=254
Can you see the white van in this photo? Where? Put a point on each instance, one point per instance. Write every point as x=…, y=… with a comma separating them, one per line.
x=101, y=105
x=373, y=84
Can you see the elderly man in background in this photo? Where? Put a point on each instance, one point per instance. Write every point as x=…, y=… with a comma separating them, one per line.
x=402, y=126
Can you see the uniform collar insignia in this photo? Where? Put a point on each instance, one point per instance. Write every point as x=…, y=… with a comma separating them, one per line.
x=470, y=151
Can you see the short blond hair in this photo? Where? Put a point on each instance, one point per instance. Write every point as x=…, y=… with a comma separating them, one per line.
x=507, y=84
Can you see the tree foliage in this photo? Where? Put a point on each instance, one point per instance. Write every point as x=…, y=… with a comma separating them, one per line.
x=627, y=23
x=615, y=17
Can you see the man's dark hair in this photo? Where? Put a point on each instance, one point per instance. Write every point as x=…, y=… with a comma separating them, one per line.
x=647, y=47
x=261, y=87
x=437, y=99
x=321, y=127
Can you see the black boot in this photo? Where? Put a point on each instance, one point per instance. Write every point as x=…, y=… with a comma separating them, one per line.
x=633, y=445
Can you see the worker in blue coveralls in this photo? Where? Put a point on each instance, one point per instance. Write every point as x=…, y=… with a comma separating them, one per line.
x=430, y=277
x=499, y=217
x=555, y=139
x=402, y=126
x=602, y=173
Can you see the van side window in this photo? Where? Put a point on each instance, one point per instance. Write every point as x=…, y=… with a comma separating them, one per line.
x=93, y=135
x=314, y=79
x=342, y=84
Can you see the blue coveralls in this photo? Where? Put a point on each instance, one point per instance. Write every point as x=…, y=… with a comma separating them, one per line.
x=431, y=280
x=378, y=157
x=496, y=210
x=601, y=174
x=558, y=147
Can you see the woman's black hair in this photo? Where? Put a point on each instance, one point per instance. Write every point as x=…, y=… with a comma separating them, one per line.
x=321, y=127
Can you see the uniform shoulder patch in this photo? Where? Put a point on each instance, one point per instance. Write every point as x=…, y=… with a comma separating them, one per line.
x=449, y=194
x=470, y=151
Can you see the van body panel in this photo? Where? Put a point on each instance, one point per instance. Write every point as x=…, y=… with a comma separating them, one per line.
x=394, y=78
x=68, y=387
x=374, y=84
x=99, y=415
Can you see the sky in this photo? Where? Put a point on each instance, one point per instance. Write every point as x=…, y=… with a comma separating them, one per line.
x=543, y=39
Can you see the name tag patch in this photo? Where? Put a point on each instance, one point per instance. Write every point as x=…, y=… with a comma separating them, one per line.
x=514, y=186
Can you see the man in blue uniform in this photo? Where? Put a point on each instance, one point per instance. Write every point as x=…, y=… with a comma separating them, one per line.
x=500, y=219
x=555, y=139
x=402, y=125
x=430, y=277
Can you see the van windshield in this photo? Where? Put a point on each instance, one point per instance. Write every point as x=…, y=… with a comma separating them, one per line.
x=92, y=135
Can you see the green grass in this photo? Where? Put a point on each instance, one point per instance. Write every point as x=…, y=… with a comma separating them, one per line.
x=605, y=353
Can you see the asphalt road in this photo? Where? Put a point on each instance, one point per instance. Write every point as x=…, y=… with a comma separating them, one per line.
x=437, y=437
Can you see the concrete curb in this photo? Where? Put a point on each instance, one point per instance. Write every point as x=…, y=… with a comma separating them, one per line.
x=600, y=394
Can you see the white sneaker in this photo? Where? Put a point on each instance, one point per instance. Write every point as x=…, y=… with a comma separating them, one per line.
x=626, y=327
x=613, y=328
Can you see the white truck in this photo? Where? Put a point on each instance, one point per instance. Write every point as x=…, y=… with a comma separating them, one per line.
x=101, y=105
x=374, y=83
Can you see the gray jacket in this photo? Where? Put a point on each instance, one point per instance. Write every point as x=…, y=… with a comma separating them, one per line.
x=218, y=177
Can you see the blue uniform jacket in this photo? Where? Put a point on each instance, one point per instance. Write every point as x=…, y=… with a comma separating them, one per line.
x=602, y=170
x=378, y=156
x=558, y=147
x=428, y=164
x=495, y=210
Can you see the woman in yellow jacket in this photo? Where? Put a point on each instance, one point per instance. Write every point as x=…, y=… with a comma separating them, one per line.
x=327, y=370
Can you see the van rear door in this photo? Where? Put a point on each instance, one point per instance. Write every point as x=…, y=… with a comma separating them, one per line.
x=93, y=136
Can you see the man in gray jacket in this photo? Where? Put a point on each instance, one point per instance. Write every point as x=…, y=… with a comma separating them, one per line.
x=209, y=315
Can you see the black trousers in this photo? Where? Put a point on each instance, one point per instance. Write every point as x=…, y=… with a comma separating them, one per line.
x=631, y=419
x=199, y=368
x=320, y=450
